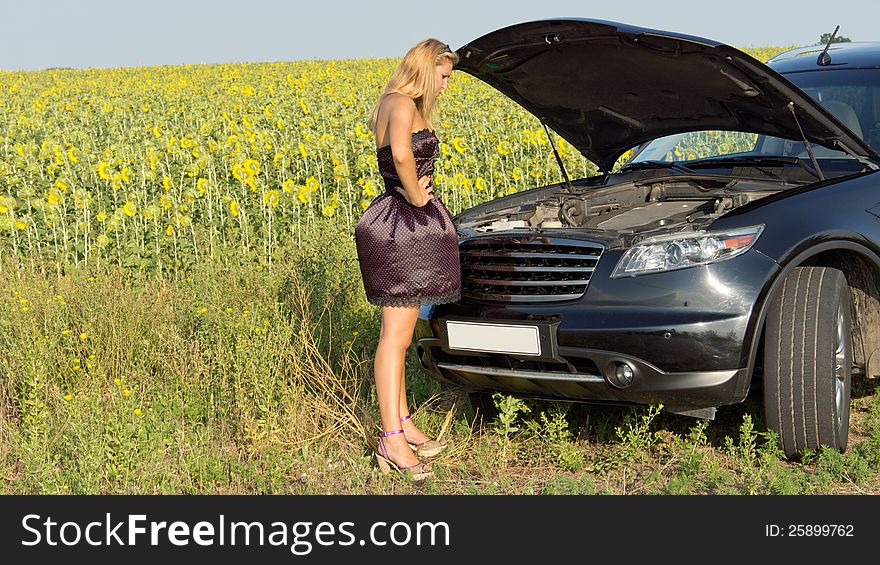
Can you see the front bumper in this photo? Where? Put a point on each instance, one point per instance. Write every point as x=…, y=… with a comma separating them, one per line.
x=585, y=381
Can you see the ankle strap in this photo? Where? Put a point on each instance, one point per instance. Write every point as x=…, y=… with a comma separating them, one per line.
x=405, y=418
x=390, y=433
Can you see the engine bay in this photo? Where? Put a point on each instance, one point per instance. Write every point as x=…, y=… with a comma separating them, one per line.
x=669, y=203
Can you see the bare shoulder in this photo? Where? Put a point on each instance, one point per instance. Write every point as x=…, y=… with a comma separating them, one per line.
x=396, y=118
x=396, y=102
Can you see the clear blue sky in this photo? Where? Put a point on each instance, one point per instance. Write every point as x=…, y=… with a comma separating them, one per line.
x=36, y=34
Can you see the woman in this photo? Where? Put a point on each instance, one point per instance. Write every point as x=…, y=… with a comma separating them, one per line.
x=406, y=242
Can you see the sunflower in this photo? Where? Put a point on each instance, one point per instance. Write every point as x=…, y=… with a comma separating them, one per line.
x=252, y=166
x=238, y=172
x=517, y=174
x=271, y=198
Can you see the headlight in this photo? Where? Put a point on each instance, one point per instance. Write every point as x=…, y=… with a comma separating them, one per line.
x=668, y=253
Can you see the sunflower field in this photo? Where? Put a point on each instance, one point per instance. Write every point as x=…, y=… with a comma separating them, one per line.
x=158, y=168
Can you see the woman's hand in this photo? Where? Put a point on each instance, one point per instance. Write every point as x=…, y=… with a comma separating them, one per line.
x=426, y=192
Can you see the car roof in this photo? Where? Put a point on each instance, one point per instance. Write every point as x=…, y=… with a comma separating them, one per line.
x=846, y=55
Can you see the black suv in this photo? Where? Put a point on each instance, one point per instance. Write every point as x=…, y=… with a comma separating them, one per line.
x=738, y=244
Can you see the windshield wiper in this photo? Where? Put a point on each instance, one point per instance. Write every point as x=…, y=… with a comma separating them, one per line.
x=656, y=165
x=759, y=160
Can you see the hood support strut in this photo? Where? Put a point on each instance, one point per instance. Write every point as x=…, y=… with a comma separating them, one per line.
x=558, y=158
x=806, y=143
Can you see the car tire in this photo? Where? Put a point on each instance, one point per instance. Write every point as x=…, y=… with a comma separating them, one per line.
x=483, y=406
x=808, y=361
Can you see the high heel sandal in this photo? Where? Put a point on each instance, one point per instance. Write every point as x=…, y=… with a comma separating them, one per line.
x=416, y=472
x=428, y=448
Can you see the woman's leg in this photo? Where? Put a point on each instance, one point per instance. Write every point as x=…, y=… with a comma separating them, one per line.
x=413, y=434
x=394, y=339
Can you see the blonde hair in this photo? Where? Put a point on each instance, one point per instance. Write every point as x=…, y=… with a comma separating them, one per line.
x=415, y=77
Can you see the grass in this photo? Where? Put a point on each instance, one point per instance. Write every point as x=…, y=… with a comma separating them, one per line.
x=240, y=377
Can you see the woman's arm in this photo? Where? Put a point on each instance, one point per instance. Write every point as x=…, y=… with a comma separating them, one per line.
x=400, y=121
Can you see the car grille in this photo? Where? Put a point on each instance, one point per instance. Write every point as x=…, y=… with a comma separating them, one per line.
x=527, y=269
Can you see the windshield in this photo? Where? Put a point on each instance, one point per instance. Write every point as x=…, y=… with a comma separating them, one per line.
x=851, y=95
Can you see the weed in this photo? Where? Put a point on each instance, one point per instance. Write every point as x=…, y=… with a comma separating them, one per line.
x=636, y=439
x=694, y=445
x=835, y=466
x=744, y=450
x=554, y=433
x=509, y=408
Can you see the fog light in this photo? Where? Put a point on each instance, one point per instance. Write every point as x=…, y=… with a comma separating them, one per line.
x=622, y=375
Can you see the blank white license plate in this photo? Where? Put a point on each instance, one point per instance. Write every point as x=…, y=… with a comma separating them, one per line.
x=493, y=338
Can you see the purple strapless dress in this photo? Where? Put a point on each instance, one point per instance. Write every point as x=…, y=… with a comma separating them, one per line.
x=408, y=255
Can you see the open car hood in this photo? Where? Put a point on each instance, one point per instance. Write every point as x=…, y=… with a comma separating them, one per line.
x=606, y=87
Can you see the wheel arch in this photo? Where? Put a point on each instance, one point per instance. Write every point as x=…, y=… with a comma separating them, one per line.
x=861, y=266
